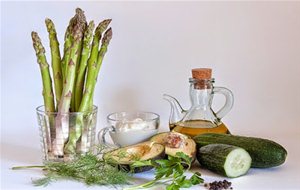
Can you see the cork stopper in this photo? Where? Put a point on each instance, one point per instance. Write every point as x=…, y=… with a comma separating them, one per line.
x=201, y=73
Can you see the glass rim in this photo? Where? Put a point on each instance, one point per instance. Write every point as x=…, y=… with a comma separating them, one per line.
x=194, y=80
x=41, y=109
x=156, y=116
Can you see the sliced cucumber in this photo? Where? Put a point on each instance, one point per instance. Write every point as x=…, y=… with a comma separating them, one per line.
x=227, y=160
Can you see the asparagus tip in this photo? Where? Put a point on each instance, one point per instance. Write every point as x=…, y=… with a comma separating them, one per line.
x=33, y=33
x=47, y=20
x=80, y=16
x=78, y=24
x=92, y=23
x=79, y=11
x=37, y=44
x=50, y=25
x=88, y=34
x=91, y=26
x=107, y=36
x=102, y=26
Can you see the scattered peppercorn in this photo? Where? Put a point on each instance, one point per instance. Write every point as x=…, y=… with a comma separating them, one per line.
x=218, y=185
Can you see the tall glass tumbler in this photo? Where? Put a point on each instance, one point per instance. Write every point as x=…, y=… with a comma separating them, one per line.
x=64, y=136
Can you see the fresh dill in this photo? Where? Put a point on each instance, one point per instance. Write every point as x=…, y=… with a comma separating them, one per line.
x=90, y=169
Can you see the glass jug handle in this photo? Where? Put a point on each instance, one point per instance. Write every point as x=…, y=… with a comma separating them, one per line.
x=101, y=137
x=228, y=101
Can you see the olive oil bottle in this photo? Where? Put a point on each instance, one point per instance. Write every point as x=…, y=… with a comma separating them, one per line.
x=200, y=118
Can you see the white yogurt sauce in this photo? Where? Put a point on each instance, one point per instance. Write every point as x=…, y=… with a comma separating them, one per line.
x=134, y=125
x=133, y=131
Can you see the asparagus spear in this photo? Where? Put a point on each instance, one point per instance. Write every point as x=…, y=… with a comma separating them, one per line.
x=55, y=55
x=105, y=42
x=67, y=49
x=44, y=67
x=100, y=29
x=62, y=120
x=73, y=105
x=83, y=63
x=85, y=143
x=93, y=70
x=67, y=45
x=47, y=86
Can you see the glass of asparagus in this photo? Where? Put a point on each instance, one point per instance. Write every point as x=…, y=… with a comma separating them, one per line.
x=67, y=119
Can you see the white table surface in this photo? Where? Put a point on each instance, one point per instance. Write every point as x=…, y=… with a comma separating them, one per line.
x=286, y=176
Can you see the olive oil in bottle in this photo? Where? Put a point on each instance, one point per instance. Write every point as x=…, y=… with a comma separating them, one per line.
x=196, y=127
x=201, y=117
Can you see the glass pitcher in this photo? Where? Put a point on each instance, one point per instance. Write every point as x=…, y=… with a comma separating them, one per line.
x=200, y=118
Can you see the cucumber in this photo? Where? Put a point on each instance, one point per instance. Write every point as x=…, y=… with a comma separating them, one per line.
x=264, y=153
x=227, y=160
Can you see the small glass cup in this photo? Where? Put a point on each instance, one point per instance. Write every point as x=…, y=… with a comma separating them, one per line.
x=55, y=140
x=128, y=128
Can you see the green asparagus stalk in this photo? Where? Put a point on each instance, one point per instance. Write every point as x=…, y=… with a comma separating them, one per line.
x=67, y=46
x=44, y=67
x=99, y=30
x=73, y=105
x=88, y=35
x=105, y=41
x=47, y=86
x=56, y=60
x=62, y=120
x=85, y=143
x=93, y=70
x=67, y=49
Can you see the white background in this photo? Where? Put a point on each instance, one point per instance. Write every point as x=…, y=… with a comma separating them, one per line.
x=253, y=48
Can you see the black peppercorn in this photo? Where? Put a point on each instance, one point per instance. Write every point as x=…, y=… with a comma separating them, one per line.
x=218, y=185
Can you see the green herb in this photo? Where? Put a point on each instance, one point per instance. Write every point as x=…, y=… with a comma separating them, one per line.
x=88, y=168
x=170, y=171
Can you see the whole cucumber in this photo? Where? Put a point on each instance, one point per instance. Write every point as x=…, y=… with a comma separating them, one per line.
x=264, y=153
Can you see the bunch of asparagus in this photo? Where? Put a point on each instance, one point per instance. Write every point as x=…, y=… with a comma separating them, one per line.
x=75, y=75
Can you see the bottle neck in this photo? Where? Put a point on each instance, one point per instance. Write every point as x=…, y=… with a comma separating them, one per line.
x=201, y=92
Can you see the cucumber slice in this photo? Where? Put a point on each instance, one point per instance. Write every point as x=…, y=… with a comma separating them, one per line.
x=227, y=160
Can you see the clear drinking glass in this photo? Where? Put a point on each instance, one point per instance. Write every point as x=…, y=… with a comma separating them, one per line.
x=83, y=124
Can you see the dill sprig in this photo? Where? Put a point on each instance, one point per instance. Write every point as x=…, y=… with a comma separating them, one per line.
x=90, y=169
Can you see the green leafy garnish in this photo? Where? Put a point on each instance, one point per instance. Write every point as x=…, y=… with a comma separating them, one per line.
x=170, y=171
x=94, y=170
x=88, y=168
x=45, y=181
